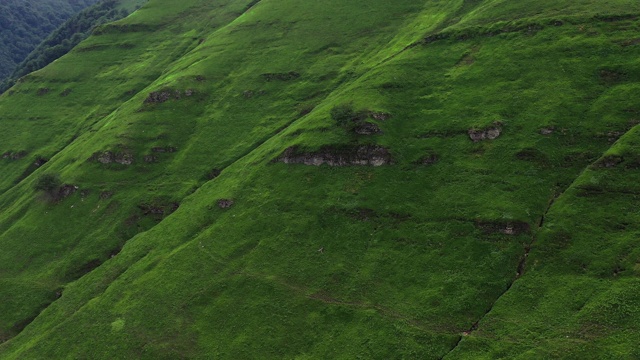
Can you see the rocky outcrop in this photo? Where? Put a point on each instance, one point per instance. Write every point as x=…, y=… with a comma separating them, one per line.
x=108, y=157
x=490, y=133
x=380, y=116
x=366, y=128
x=225, y=203
x=14, y=155
x=160, y=96
x=65, y=191
x=547, y=130
x=362, y=155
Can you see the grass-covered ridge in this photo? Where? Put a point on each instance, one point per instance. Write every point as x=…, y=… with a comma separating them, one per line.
x=189, y=236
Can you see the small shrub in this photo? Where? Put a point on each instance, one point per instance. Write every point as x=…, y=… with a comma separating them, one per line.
x=346, y=117
x=342, y=114
x=49, y=183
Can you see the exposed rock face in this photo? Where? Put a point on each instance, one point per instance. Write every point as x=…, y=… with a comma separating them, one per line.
x=225, y=203
x=158, y=209
x=486, y=134
x=547, y=130
x=14, y=155
x=366, y=128
x=363, y=155
x=158, y=97
x=150, y=158
x=108, y=157
x=380, y=116
x=66, y=190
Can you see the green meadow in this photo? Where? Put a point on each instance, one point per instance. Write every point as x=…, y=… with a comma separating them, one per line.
x=239, y=179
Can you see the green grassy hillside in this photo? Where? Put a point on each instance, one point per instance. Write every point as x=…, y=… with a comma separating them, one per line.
x=473, y=194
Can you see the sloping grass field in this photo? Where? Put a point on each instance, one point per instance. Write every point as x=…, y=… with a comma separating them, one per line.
x=180, y=214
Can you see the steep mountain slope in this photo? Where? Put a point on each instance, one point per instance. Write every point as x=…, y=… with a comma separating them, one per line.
x=24, y=23
x=70, y=34
x=468, y=205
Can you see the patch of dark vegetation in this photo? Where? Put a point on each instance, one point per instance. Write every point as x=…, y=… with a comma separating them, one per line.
x=37, y=163
x=615, y=18
x=291, y=75
x=42, y=91
x=391, y=86
x=158, y=209
x=117, y=28
x=164, y=149
x=630, y=42
x=305, y=109
x=612, y=76
x=150, y=158
x=589, y=190
x=160, y=96
x=526, y=27
x=354, y=121
x=344, y=115
x=106, y=195
x=442, y=134
x=53, y=188
x=503, y=227
x=108, y=157
x=490, y=133
x=361, y=155
x=214, y=173
x=40, y=161
x=578, y=158
x=66, y=92
x=366, y=215
x=14, y=155
x=428, y=159
x=86, y=268
x=19, y=326
x=608, y=161
x=250, y=5
x=532, y=155
x=225, y=203
x=200, y=78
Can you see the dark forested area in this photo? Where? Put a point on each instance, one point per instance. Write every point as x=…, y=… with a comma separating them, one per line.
x=66, y=37
x=25, y=23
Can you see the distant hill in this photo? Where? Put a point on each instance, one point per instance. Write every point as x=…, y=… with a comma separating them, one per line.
x=69, y=34
x=25, y=23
